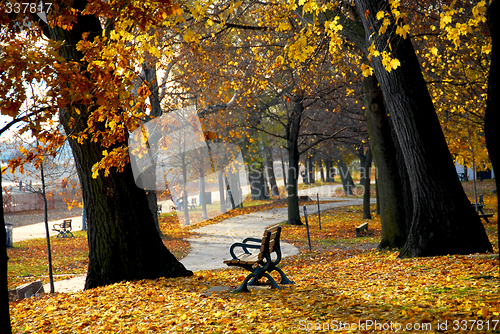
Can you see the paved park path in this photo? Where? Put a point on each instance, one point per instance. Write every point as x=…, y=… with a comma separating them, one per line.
x=211, y=246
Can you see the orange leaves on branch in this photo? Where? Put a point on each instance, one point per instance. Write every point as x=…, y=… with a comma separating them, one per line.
x=116, y=158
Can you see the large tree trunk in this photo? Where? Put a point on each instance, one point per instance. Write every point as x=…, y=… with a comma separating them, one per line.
x=153, y=207
x=123, y=241
x=122, y=237
x=4, y=294
x=492, y=113
x=292, y=135
x=443, y=220
x=391, y=199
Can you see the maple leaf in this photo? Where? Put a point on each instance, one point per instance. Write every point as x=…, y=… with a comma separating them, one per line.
x=366, y=70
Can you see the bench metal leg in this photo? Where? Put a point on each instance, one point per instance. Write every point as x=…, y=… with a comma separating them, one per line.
x=485, y=218
x=243, y=286
x=272, y=281
x=284, y=279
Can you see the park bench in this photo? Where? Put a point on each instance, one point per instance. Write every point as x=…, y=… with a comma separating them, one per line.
x=64, y=229
x=362, y=227
x=480, y=209
x=262, y=263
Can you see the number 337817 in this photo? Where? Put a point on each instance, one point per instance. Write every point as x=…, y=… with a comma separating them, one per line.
x=27, y=7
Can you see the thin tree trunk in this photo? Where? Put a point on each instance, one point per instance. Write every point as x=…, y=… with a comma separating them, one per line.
x=230, y=196
x=270, y=171
x=443, y=220
x=306, y=171
x=362, y=163
x=292, y=135
x=185, y=207
x=46, y=223
x=221, y=191
x=283, y=171
x=239, y=192
x=310, y=170
x=321, y=171
x=5, y=312
x=257, y=182
x=330, y=171
x=345, y=175
x=366, y=184
x=203, y=198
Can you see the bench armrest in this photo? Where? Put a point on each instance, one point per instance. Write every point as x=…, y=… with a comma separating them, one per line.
x=252, y=239
x=58, y=227
x=243, y=246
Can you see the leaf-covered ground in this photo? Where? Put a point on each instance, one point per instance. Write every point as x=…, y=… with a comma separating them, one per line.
x=342, y=284
x=28, y=259
x=332, y=289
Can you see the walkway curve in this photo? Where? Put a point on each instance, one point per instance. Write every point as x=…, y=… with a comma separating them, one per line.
x=211, y=246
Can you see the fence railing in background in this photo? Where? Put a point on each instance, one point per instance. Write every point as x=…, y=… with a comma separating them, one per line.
x=32, y=201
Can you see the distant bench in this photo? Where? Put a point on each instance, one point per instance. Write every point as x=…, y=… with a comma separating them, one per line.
x=480, y=209
x=64, y=229
x=260, y=264
x=362, y=227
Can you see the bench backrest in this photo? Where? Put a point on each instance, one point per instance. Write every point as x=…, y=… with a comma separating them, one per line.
x=270, y=242
x=66, y=223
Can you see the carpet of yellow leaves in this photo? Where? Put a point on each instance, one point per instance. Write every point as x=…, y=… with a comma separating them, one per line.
x=332, y=287
x=343, y=283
